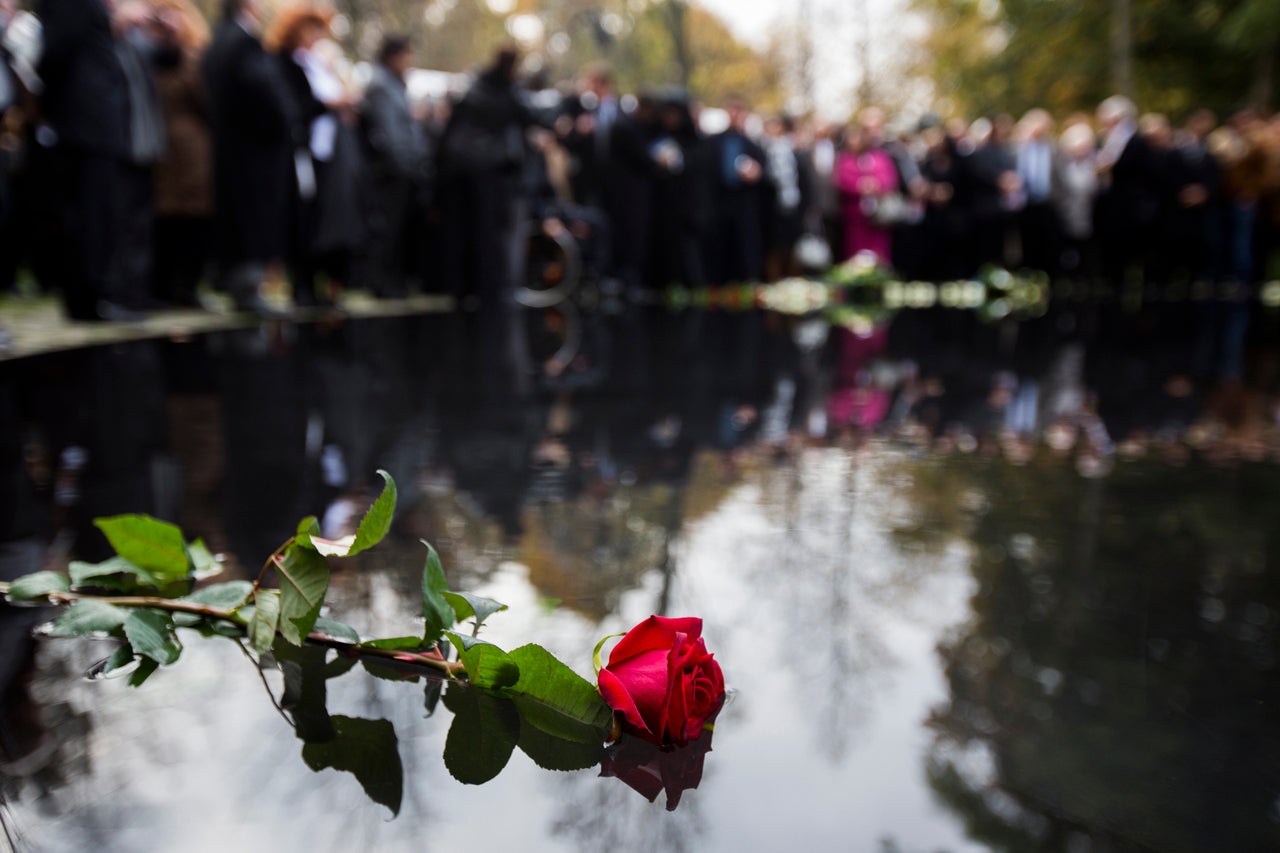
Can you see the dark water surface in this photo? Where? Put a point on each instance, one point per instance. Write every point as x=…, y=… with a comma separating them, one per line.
x=927, y=649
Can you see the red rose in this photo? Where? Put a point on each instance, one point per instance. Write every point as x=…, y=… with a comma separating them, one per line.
x=663, y=681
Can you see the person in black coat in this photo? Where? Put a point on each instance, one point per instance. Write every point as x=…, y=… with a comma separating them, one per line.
x=995, y=190
x=629, y=190
x=250, y=118
x=585, y=130
x=1127, y=207
x=483, y=213
x=680, y=209
x=740, y=196
x=326, y=226
x=86, y=106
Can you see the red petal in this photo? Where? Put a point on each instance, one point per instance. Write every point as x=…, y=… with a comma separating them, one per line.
x=615, y=695
x=656, y=632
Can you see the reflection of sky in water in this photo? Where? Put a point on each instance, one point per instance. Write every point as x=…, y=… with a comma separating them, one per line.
x=826, y=630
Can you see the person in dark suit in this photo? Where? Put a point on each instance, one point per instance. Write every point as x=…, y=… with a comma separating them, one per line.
x=628, y=188
x=1127, y=206
x=249, y=115
x=996, y=193
x=585, y=130
x=85, y=104
x=680, y=210
x=484, y=213
x=740, y=195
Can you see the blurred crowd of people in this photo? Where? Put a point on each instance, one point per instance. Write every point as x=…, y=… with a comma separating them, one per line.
x=145, y=154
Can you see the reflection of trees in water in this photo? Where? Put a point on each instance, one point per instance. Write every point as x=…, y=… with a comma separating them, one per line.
x=841, y=585
x=1115, y=687
x=607, y=815
x=588, y=551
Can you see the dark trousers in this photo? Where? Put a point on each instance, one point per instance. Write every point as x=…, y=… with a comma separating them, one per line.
x=181, y=257
x=388, y=257
x=91, y=232
x=1039, y=233
x=135, y=249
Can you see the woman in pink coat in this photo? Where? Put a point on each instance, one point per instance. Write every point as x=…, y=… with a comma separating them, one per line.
x=863, y=174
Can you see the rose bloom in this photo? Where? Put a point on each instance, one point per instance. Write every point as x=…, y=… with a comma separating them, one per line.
x=663, y=681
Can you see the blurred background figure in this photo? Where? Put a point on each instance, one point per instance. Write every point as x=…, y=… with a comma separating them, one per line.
x=997, y=192
x=252, y=126
x=1126, y=208
x=1038, y=227
x=484, y=215
x=141, y=34
x=397, y=152
x=868, y=184
x=740, y=202
x=184, y=175
x=1076, y=186
x=327, y=225
x=85, y=108
x=12, y=117
x=790, y=174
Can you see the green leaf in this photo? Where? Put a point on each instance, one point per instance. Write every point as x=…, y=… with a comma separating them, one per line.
x=121, y=657
x=308, y=527
x=146, y=666
x=368, y=750
x=557, y=700
x=217, y=628
x=488, y=667
x=109, y=573
x=388, y=671
x=435, y=607
x=266, y=618
x=483, y=734
x=188, y=620
x=304, y=580
x=477, y=607
x=151, y=634
x=553, y=753
x=397, y=644
x=204, y=563
x=305, y=670
x=432, y=691
x=148, y=543
x=222, y=596
x=377, y=521
x=38, y=585
x=88, y=617
x=336, y=630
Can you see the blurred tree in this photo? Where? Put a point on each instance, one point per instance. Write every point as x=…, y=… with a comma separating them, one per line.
x=990, y=55
x=649, y=43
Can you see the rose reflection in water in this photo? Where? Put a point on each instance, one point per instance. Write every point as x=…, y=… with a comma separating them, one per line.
x=650, y=770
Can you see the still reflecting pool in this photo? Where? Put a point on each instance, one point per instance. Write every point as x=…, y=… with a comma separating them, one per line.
x=926, y=649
